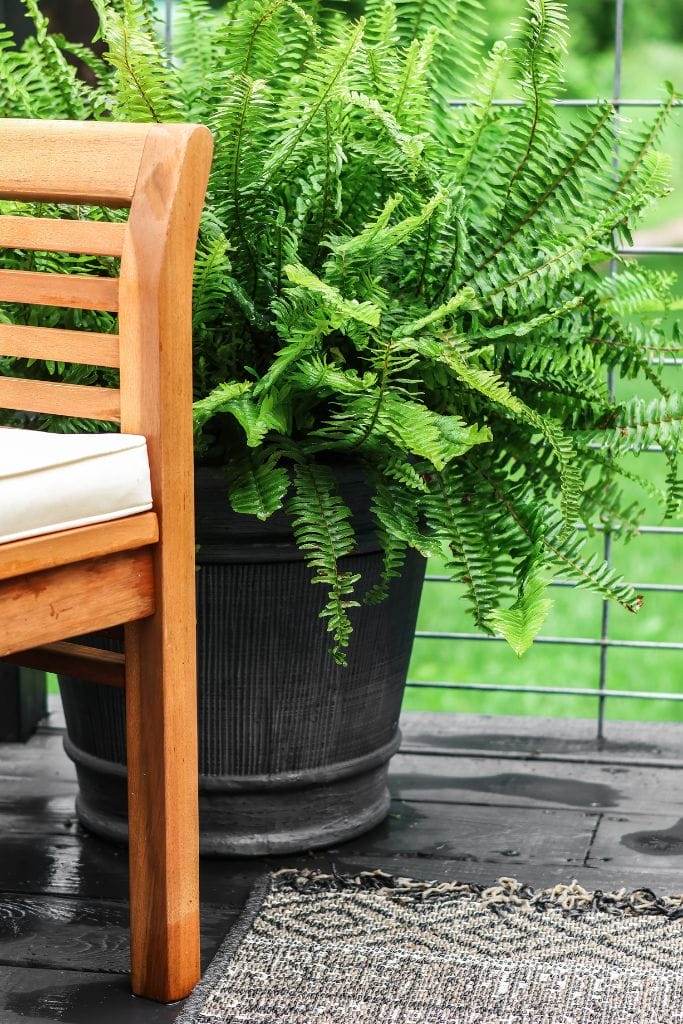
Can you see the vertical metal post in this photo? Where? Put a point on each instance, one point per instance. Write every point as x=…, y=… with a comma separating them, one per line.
x=607, y=541
x=168, y=25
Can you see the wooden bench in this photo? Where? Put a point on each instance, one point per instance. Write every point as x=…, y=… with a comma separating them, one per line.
x=137, y=571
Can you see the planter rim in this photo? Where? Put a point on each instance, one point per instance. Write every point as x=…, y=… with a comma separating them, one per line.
x=250, y=783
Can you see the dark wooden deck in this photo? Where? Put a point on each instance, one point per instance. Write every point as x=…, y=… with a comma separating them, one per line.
x=475, y=798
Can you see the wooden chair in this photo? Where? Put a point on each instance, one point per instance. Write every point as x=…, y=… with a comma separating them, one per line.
x=137, y=571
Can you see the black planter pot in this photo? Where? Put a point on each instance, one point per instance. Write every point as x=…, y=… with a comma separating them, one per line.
x=294, y=750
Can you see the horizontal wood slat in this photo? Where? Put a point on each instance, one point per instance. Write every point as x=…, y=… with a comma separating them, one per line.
x=69, y=659
x=66, y=290
x=51, y=343
x=68, y=546
x=71, y=161
x=60, y=399
x=74, y=599
x=94, y=238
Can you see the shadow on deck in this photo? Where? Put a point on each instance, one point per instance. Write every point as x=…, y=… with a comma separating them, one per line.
x=474, y=798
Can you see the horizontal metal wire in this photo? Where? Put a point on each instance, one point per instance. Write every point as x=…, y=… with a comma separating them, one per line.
x=664, y=588
x=553, y=691
x=565, y=641
x=651, y=250
x=570, y=102
x=674, y=531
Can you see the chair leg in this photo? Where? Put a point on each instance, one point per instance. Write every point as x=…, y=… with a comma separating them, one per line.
x=161, y=725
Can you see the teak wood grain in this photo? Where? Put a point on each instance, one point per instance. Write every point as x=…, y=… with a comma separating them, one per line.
x=66, y=584
x=94, y=238
x=70, y=291
x=51, y=343
x=155, y=328
x=76, y=660
x=60, y=399
x=71, y=161
x=59, y=603
x=68, y=546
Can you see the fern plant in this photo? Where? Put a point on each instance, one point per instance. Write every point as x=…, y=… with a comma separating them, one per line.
x=384, y=278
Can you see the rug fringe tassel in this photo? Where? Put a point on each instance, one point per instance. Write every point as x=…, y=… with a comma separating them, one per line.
x=505, y=895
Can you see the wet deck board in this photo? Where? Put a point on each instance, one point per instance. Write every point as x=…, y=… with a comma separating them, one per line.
x=474, y=798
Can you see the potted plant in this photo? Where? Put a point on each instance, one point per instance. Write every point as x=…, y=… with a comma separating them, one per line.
x=402, y=339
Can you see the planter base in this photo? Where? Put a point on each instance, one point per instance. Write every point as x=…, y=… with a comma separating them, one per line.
x=238, y=819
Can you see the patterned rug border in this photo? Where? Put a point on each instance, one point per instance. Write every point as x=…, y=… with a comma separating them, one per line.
x=505, y=896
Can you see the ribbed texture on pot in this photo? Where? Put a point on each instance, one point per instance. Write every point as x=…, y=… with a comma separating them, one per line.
x=282, y=703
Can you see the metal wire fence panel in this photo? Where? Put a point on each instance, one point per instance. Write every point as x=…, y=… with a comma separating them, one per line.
x=603, y=643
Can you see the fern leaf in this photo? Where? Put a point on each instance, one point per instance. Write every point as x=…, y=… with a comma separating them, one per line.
x=145, y=86
x=340, y=310
x=489, y=384
x=322, y=527
x=456, y=48
x=257, y=486
x=521, y=623
x=468, y=556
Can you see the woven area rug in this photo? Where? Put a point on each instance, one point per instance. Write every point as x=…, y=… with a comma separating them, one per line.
x=320, y=949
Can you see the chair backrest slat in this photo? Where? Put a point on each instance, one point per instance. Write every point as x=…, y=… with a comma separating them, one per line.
x=66, y=290
x=71, y=161
x=93, y=238
x=60, y=399
x=160, y=172
x=56, y=345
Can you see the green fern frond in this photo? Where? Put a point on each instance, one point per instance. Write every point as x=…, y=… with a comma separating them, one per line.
x=196, y=51
x=145, y=86
x=591, y=573
x=469, y=558
x=488, y=383
x=218, y=401
x=62, y=74
x=257, y=485
x=324, y=80
x=393, y=560
x=539, y=62
x=398, y=529
x=467, y=134
x=638, y=424
x=340, y=311
x=322, y=527
x=237, y=167
x=457, y=45
x=521, y=623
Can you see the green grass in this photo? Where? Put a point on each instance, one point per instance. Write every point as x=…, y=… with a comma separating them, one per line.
x=575, y=613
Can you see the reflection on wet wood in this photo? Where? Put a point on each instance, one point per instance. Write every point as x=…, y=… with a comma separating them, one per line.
x=472, y=805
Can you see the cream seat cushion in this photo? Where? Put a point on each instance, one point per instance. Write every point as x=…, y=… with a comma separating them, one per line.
x=51, y=482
